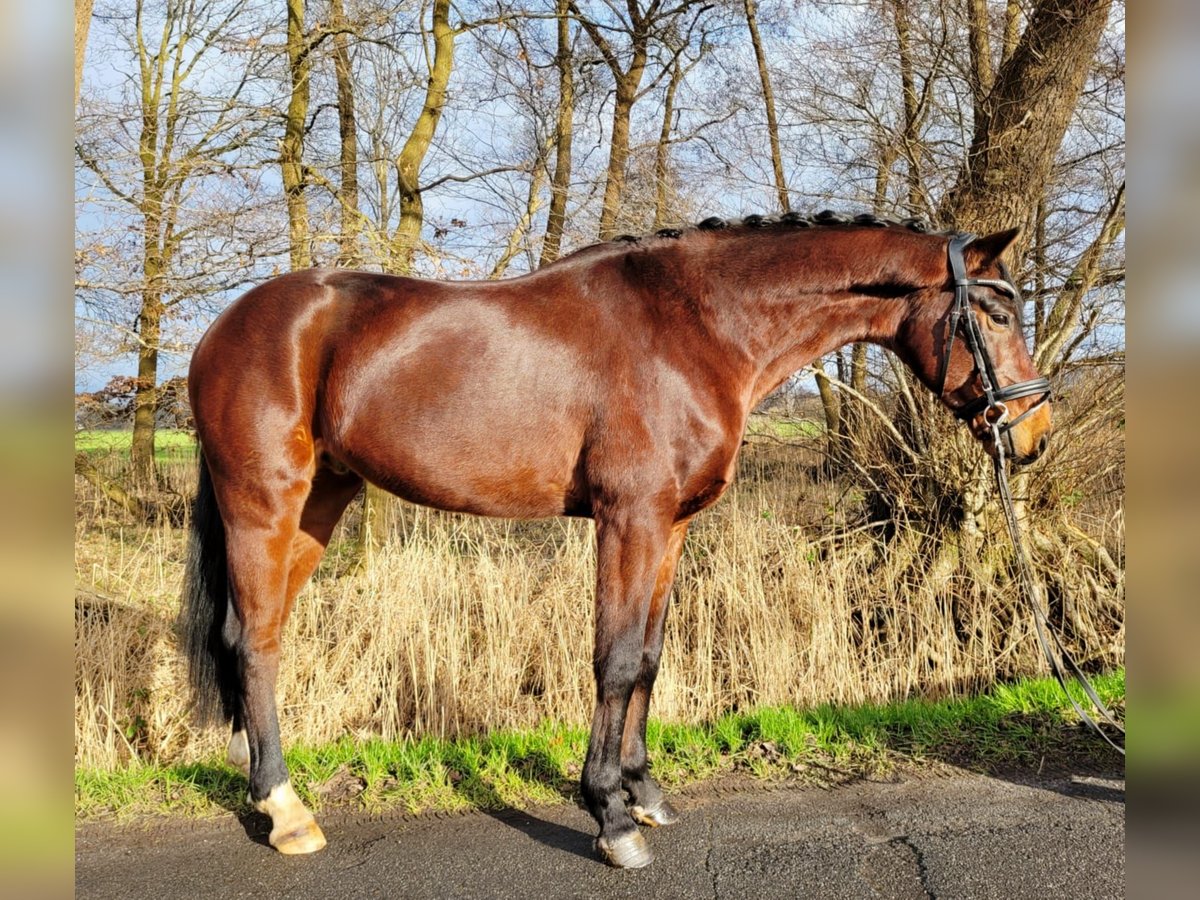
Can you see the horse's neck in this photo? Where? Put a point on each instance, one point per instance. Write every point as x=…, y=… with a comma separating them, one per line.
x=791, y=309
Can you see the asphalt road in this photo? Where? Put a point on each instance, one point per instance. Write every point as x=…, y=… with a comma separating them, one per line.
x=961, y=836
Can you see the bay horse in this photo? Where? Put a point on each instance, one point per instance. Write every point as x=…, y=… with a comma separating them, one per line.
x=614, y=383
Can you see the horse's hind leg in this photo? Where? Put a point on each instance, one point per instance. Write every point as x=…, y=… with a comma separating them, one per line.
x=629, y=548
x=647, y=803
x=272, y=546
x=330, y=494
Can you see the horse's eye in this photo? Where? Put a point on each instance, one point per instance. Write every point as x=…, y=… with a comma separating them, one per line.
x=1001, y=319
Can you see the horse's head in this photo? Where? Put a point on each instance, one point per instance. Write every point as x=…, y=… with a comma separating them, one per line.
x=965, y=341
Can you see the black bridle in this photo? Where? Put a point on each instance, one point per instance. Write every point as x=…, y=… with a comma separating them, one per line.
x=992, y=400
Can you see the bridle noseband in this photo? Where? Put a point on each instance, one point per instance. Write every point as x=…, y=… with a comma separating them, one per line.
x=993, y=397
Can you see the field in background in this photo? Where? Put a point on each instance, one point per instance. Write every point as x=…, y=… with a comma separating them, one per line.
x=458, y=626
x=169, y=445
x=783, y=427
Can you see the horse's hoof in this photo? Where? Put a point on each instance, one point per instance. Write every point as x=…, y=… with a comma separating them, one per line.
x=629, y=851
x=660, y=813
x=307, y=838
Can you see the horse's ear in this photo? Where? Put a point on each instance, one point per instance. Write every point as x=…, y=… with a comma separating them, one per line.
x=984, y=251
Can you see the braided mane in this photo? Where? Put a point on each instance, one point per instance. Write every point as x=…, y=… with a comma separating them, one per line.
x=787, y=220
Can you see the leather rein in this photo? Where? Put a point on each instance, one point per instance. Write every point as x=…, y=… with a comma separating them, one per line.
x=992, y=403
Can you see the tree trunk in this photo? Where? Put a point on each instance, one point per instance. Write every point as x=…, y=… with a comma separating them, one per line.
x=662, y=149
x=626, y=83
x=614, y=183
x=373, y=528
x=564, y=126
x=149, y=321
x=149, y=326
x=291, y=151
x=1012, y=28
x=979, y=32
x=83, y=22
x=349, y=254
x=858, y=367
x=412, y=155
x=829, y=403
x=772, y=123
x=145, y=399
x=533, y=202
x=910, y=136
x=1021, y=122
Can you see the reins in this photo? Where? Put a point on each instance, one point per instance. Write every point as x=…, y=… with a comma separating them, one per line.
x=992, y=400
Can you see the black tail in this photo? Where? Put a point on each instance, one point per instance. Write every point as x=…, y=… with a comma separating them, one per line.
x=212, y=664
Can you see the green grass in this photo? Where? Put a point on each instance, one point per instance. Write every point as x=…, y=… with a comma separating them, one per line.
x=169, y=444
x=1023, y=725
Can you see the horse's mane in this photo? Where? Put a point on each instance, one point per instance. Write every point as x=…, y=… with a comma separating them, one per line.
x=787, y=221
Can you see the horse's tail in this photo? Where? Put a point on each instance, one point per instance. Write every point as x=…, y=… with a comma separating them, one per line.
x=207, y=636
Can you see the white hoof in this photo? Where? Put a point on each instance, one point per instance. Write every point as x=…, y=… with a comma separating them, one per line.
x=293, y=828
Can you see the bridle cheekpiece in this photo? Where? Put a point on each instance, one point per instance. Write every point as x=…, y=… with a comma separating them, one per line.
x=993, y=397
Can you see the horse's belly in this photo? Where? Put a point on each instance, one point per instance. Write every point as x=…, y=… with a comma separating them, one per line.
x=482, y=471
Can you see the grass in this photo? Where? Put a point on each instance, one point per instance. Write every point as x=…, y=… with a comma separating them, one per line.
x=169, y=444
x=1019, y=725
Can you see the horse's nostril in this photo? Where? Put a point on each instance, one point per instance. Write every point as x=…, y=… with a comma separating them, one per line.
x=1042, y=444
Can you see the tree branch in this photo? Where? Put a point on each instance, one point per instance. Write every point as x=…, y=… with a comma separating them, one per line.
x=438, y=182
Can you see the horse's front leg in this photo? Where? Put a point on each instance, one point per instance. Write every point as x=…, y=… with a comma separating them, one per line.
x=629, y=549
x=647, y=803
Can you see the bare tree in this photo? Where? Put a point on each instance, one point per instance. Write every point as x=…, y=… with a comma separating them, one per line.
x=399, y=150
x=408, y=163
x=628, y=66
x=768, y=95
x=564, y=125
x=1021, y=120
x=182, y=137
x=291, y=148
x=829, y=400
x=349, y=253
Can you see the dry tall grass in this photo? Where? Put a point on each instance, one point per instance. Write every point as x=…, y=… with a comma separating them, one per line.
x=460, y=624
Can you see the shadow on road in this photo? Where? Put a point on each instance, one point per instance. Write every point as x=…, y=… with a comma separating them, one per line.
x=550, y=834
x=538, y=767
x=228, y=789
x=1077, y=786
